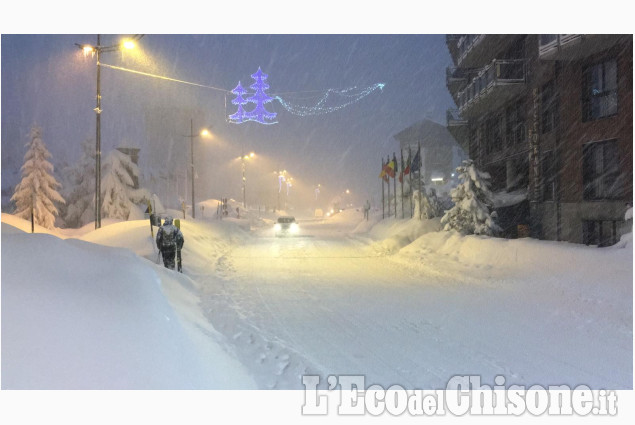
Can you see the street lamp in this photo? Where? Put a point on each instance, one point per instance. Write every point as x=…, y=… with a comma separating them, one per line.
x=204, y=133
x=98, y=50
x=243, y=159
x=281, y=178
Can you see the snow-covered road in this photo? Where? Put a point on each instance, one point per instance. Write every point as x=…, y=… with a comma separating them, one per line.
x=393, y=300
x=330, y=303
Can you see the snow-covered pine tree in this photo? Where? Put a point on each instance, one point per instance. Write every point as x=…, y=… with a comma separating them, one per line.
x=117, y=187
x=80, y=195
x=37, y=190
x=472, y=200
x=426, y=204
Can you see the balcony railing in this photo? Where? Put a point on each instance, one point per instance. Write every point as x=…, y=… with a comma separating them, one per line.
x=455, y=74
x=458, y=128
x=466, y=43
x=498, y=73
x=549, y=43
x=453, y=118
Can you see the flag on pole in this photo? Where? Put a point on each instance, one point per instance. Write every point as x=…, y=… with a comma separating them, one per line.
x=384, y=172
x=406, y=170
x=416, y=162
x=391, y=168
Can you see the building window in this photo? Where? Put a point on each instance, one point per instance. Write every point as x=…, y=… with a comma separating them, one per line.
x=599, y=232
x=518, y=173
x=493, y=134
x=600, y=91
x=549, y=101
x=600, y=170
x=548, y=177
x=515, y=123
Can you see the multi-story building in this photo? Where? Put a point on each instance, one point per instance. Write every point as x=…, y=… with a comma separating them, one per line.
x=440, y=152
x=550, y=117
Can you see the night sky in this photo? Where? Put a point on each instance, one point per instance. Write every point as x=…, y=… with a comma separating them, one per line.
x=47, y=80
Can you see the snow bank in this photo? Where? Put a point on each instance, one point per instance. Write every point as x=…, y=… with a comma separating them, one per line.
x=77, y=315
x=23, y=225
x=391, y=235
x=14, y=223
x=420, y=238
x=526, y=253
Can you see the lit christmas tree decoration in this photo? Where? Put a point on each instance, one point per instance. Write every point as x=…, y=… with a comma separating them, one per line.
x=260, y=98
x=239, y=116
x=323, y=102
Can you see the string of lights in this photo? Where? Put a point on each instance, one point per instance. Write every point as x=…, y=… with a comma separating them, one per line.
x=352, y=95
x=318, y=103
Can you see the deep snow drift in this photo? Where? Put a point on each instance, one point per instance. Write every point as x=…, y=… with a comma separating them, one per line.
x=394, y=300
x=78, y=315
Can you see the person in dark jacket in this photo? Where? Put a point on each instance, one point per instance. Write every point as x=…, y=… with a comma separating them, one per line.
x=169, y=240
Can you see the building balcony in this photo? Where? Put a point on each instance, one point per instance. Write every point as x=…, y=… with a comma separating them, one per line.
x=451, y=40
x=477, y=50
x=454, y=119
x=458, y=127
x=456, y=79
x=574, y=46
x=495, y=84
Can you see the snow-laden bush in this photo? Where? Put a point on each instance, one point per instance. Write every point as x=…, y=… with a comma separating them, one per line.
x=117, y=190
x=472, y=200
x=36, y=192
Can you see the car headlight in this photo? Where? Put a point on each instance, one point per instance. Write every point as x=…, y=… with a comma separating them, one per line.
x=277, y=227
x=294, y=228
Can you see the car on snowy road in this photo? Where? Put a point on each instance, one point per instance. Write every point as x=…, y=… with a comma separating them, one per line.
x=285, y=226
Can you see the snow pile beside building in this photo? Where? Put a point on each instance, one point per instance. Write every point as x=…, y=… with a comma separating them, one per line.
x=76, y=315
x=521, y=254
x=391, y=235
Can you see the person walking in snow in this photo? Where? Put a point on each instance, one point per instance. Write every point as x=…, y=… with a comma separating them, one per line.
x=169, y=240
x=366, y=210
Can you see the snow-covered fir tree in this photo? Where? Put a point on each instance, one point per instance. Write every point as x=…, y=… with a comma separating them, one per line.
x=426, y=204
x=37, y=192
x=117, y=187
x=472, y=200
x=80, y=192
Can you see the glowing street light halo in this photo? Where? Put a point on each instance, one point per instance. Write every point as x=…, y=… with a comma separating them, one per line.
x=129, y=44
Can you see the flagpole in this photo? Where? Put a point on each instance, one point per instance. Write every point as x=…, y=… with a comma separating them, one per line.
x=410, y=180
x=401, y=181
x=383, y=210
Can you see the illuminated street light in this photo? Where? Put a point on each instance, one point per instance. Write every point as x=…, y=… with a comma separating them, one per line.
x=203, y=133
x=243, y=159
x=98, y=50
